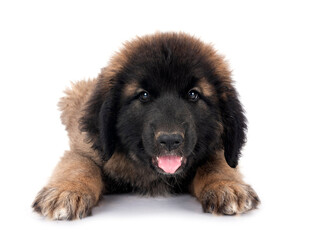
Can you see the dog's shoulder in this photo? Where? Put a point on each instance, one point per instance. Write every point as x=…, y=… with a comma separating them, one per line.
x=71, y=105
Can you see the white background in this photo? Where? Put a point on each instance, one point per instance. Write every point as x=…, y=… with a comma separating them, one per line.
x=46, y=44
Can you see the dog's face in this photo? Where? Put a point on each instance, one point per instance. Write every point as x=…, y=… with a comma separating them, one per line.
x=168, y=104
x=165, y=117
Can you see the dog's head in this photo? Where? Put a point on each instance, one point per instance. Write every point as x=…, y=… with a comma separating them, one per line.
x=167, y=102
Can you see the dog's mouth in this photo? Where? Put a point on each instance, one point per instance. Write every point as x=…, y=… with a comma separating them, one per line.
x=169, y=164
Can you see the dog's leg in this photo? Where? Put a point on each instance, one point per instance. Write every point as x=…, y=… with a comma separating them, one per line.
x=74, y=188
x=220, y=188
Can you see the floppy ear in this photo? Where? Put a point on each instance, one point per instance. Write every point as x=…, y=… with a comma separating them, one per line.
x=99, y=121
x=234, y=124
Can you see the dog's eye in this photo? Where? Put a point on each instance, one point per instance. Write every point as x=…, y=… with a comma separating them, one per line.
x=193, y=95
x=144, y=96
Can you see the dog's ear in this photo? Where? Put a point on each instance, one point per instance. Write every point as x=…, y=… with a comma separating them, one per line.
x=234, y=124
x=99, y=121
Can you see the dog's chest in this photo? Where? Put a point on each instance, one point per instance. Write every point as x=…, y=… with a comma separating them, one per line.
x=123, y=175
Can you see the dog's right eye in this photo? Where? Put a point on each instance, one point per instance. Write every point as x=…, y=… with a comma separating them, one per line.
x=144, y=96
x=193, y=95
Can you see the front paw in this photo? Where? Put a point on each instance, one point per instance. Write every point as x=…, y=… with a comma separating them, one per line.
x=229, y=198
x=58, y=204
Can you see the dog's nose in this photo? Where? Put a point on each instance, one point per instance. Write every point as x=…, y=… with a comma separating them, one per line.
x=170, y=141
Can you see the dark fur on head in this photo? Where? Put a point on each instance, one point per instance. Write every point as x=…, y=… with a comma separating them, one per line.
x=167, y=66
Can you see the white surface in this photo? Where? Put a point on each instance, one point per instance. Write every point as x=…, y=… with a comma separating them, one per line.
x=44, y=46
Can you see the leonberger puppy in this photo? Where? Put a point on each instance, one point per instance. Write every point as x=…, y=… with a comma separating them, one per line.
x=162, y=118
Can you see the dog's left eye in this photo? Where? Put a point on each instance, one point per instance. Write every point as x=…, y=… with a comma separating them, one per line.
x=193, y=95
x=144, y=96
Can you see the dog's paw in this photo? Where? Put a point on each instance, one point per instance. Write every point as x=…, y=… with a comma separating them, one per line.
x=59, y=204
x=229, y=198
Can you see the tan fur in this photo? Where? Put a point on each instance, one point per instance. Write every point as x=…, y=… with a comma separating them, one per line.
x=72, y=105
x=221, y=190
x=74, y=188
x=130, y=89
x=219, y=64
x=206, y=89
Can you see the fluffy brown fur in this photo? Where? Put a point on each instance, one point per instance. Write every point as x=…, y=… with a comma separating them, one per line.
x=86, y=172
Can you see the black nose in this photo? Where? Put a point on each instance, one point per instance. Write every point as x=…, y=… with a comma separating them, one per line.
x=170, y=141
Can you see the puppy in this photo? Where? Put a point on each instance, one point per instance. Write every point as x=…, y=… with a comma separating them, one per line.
x=162, y=118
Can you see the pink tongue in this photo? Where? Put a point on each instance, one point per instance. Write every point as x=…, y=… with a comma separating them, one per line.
x=169, y=163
